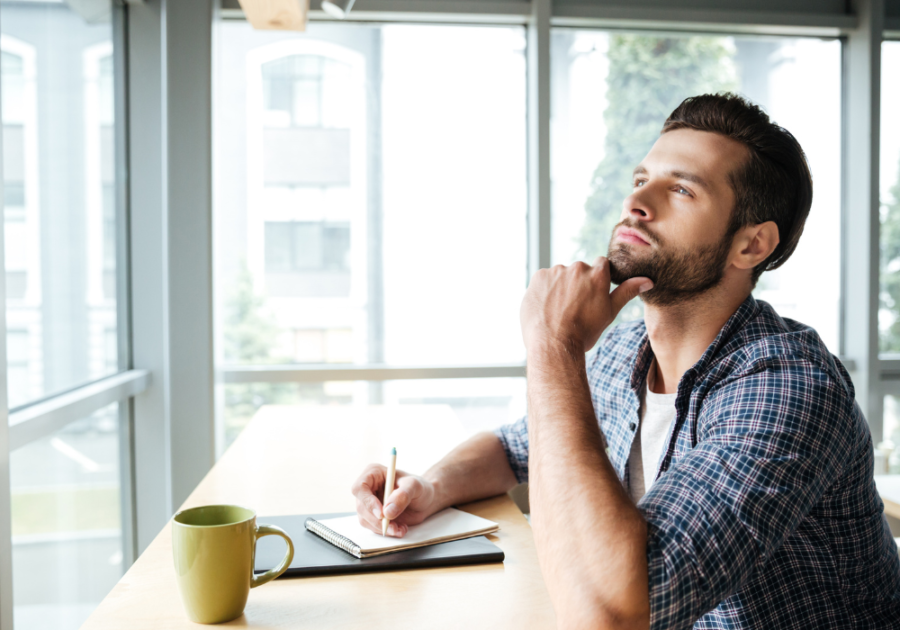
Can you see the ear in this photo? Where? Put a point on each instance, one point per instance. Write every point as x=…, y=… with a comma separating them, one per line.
x=753, y=244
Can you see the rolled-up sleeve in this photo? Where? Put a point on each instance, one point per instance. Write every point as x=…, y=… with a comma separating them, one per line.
x=769, y=443
x=514, y=438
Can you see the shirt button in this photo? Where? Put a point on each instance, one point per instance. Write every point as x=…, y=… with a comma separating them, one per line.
x=632, y=426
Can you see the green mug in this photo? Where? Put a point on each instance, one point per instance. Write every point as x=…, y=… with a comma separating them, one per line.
x=214, y=548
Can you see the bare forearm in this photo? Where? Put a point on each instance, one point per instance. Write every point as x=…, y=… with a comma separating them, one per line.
x=591, y=539
x=476, y=469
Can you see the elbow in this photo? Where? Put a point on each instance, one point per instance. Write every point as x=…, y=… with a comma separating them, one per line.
x=604, y=618
x=625, y=620
x=598, y=613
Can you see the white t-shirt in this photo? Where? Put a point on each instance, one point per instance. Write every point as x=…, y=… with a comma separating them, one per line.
x=657, y=414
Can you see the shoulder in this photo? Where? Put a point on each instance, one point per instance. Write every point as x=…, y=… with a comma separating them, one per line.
x=777, y=370
x=770, y=342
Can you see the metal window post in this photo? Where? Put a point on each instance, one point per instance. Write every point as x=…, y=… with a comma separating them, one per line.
x=6, y=589
x=169, y=108
x=538, y=68
x=188, y=107
x=123, y=287
x=861, y=225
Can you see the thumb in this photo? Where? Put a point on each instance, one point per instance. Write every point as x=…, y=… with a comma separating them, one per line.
x=627, y=291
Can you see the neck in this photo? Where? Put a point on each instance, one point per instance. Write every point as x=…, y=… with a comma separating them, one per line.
x=681, y=333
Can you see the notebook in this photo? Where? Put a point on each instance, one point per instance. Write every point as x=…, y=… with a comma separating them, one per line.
x=313, y=556
x=447, y=525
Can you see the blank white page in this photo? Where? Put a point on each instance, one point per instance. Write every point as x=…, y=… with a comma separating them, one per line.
x=449, y=524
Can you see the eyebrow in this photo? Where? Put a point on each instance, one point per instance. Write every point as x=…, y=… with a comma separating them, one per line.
x=691, y=177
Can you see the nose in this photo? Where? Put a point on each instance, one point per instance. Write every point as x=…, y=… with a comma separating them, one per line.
x=637, y=206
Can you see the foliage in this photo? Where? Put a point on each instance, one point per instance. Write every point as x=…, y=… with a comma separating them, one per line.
x=250, y=332
x=890, y=268
x=249, y=335
x=648, y=77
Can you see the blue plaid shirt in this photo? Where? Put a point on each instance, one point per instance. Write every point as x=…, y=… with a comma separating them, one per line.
x=764, y=513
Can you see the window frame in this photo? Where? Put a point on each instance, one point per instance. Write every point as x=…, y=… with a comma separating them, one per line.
x=43, y=417
x=167, y=435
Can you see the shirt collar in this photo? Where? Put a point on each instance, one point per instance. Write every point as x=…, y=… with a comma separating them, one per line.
x=644, y=355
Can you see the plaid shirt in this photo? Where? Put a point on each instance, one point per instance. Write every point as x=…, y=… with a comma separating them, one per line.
x=764, y=513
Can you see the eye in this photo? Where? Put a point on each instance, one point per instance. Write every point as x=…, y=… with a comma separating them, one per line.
x=681, y=190
x=639, y=182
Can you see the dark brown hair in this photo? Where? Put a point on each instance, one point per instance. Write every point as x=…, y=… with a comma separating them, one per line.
x=773, y=184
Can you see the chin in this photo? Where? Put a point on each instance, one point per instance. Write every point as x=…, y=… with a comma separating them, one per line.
x=623, y=266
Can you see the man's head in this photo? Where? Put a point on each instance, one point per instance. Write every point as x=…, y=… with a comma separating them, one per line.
x=723, y=192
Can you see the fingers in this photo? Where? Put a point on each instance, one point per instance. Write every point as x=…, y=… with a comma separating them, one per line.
x=600, y=274
x=367, y=486
x=409, y=488
x=367, y=489
x=627, y=291
x=367, y=519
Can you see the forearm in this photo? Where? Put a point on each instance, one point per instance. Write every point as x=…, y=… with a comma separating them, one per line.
x=591, y=539
x=476, y=469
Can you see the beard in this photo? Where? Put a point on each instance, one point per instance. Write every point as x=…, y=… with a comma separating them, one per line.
x=678, y=274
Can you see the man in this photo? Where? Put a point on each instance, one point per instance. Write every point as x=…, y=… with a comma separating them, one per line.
x=707, y=466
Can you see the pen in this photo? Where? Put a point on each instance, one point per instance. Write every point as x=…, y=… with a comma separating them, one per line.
x=388, y=488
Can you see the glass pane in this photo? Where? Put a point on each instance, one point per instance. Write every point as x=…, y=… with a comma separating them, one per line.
x=59, y=193
x=889, y=313
x=307, y=246
x=611, y=94
x=66, y=523
x=479, y=404
x=370, y=194
x=887, y=453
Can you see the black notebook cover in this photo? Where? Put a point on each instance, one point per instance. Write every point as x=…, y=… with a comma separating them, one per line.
x=314, y=556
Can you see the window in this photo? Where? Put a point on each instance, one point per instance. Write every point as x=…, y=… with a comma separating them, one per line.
x=360, y=187
x=306, y=91
x=599, y=134
x=307, y=246
x=368, y=209
x=66, y=522
x=59, y=201
x=18, y=356
x=62, y=318
x=889, y=311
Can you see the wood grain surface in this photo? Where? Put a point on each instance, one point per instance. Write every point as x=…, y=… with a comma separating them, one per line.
x=293, y=460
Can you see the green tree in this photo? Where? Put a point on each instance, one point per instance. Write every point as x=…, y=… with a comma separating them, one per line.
x=890, y=268
x=889, y=298
x=648, y=77
x=249, y=334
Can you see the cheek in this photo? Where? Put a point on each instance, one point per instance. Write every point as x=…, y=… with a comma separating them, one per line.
x=697, y=229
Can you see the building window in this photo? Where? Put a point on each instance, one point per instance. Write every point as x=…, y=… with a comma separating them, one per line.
x=17, y=365
x=13, y=69
x=15, y=240
x=305, y=91
x=297, y=246
x=109, y=241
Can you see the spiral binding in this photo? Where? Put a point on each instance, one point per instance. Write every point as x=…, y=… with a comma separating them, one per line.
x=341, y=542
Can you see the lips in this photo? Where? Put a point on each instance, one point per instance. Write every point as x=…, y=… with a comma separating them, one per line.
x=631, y=236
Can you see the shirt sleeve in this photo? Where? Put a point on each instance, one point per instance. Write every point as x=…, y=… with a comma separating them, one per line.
x=514, y=438
x=769, y=444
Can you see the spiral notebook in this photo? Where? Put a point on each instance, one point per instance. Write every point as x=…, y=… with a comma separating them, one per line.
x=315, y=557
x=447, y=525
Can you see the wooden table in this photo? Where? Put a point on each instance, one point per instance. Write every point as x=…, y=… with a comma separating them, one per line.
x=294, y=460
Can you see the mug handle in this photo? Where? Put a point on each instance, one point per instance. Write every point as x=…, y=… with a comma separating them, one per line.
x=271, y=574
